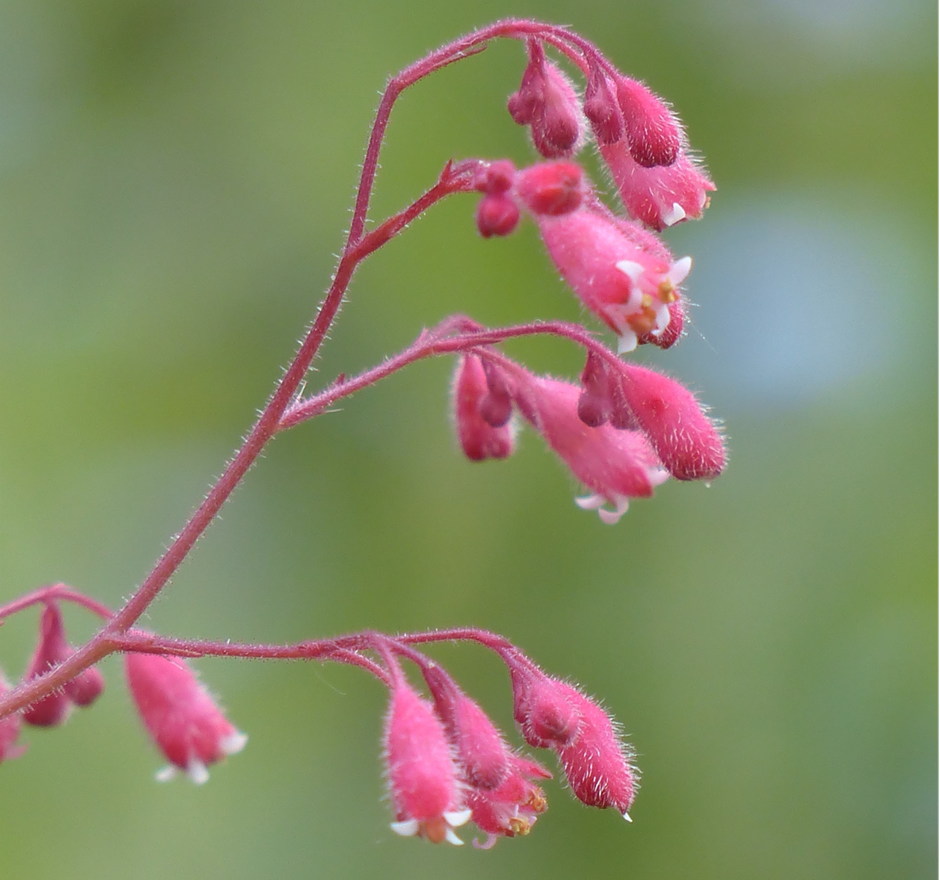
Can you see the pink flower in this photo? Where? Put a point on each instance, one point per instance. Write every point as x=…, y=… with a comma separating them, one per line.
x=598, y=763
x=686, y=441
x=183, y=720
x=422, y=776
x=616, y=465
x=481, y=415
x=622, y=273
x=548, y=103
x=544, y=712
x=511, y=809
x=652, y=132
x=659, y=196
x=52, y=650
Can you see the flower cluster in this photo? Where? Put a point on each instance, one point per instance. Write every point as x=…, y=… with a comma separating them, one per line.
x=184, y=722
x=448, y=764
x=621, y=429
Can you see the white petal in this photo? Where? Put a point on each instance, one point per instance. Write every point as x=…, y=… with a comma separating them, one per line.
x=626, y=816
x=673, y=215
x=197, y=772
x=662, y=319
x=458, y=818
x=633, y=271
x=165, y=774
x=450, y=837
x=233, y=743
x=679, y=271
x=408, y=828
x=590, y=502
x=626, y=342
x=612, y=517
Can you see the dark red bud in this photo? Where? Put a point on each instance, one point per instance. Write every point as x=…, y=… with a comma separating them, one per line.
x=602, y=110
x=497, y=214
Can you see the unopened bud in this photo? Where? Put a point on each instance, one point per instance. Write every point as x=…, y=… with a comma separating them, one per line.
x=479, y=439
x=51, y=650
x=497, y=214
x=653, y=134
x=551, y=188
x=602, y=110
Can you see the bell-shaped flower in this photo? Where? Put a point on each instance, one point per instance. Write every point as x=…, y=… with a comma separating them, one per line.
x=510, y=810
x=622, y=273
x=181, y=717
x=481, y=415
x=615, y=465
x=660, y=196
x=422, y=775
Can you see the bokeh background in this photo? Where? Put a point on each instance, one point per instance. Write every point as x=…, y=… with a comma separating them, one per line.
x=175, y=179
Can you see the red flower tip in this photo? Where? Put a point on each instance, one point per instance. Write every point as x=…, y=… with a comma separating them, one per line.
x=51, y=650
x=183, y=720
x=422, y=776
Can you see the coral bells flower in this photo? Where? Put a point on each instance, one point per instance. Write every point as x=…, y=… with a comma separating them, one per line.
x=511, y=809
x=623, y=274
x=548, y=103
x=422, y=776
x=598, y=763
x=616, y=465
x=660, y=196
x=472, y=400
x=686, y=441
x=9, y=729
x=184, y=721
x=52, y=650
x=544, y=712
x=652, y=132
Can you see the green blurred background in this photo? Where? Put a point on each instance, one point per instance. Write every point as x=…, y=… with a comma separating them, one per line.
x=175, y=178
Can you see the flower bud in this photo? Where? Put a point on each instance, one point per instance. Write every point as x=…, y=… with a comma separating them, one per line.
x=550, y=188
x=497, y=214
x=511, y=809
x=422, y=777
x=479, y=439
x=594, y=404
x=51, y=650
x=602, y=110
x=184, y=721
x=598, y=764
x=652, y=131
x=686, y=441
x=544, y=713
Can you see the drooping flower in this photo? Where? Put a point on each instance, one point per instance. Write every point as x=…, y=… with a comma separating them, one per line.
x=659, y=196
x=422, y=775
x=510, y=810
x=616, y=465
x=181, y=717
x=482, y=430
x=53, y=649
x=622, y=273
x=548, y=103
x=544, y=712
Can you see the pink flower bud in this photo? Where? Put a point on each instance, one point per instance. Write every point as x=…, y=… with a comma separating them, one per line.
x=422, y=776
x=598, y=764
x=481, y=752
x=686, y=441
x=51, y=650
x=661, y=196
x=652, y=131
x=183, y=720
x=550, y=188
x=478, y=438
x=602, y=110
x=497, y=214
x=621, y=273
x=495, y=177
x=9, y=729
x=548, y=102
x=594, y=404
x=511, y=809
x=615, y=464
x=544, y=712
